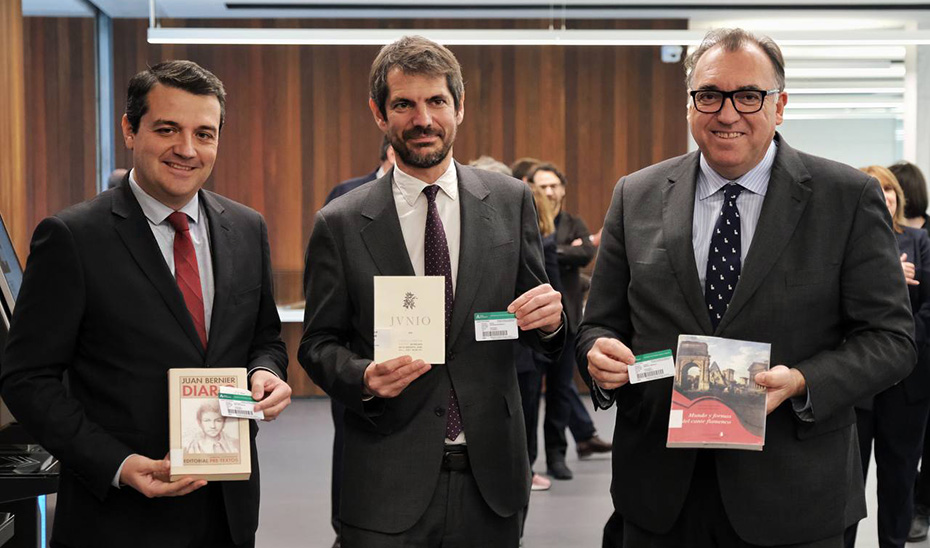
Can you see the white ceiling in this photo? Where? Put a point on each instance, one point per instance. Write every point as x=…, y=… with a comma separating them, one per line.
x=693, y=9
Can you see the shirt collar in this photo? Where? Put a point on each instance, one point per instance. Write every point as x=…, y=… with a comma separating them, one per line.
x=155, y=211
x=756, y=180
x=410, y=187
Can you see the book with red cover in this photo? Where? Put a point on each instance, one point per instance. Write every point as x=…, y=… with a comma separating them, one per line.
x=715, y=400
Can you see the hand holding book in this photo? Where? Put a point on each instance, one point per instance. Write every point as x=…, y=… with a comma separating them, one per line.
x=151, y=478
x=389, y=378
x=780, y=384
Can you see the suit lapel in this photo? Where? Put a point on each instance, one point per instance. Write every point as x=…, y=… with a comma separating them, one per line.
x=223, y=252
x=133, y=229
x=382, y=235
x=477, y=233
x=677, y=221
x=785, y=201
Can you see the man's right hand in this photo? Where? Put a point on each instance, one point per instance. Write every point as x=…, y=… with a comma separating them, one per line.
x=388, y=379
x=608, y=361
x=152, y=478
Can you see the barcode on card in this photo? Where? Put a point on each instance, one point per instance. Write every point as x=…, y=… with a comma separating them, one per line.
x=494, y=333
x=240, y=413
x=650, y=374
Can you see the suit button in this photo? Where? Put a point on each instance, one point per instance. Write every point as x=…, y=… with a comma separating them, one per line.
x=450, y=356
x=439, y=411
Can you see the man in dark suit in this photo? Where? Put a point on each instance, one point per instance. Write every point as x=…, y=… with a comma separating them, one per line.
x=563, y=404
x=434, y=454
x=115, y=296
x=338, y=410
x=386, y=157
x=816, y=274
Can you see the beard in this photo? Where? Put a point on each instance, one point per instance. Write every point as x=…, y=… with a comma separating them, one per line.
x=421, y=158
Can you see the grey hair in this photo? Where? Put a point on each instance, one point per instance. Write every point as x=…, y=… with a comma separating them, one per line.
x=490, y=164
x=733, y=40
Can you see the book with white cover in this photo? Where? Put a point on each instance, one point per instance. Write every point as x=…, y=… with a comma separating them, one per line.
x=410, y=318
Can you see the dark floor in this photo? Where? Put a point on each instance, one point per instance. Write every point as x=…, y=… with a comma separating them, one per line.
x=296, y=473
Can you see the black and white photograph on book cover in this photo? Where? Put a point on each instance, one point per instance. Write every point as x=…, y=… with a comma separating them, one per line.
x=206, y=431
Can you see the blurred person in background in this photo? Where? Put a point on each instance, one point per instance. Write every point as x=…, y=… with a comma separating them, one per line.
x=897, y=417
x=914, y=187
x=563, y=404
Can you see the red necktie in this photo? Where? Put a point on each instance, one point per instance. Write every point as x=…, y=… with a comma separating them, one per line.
x=186, y=272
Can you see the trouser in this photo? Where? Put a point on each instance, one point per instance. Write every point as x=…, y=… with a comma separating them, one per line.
x=457, y=517
x=564, y=408
x=897, y=427
x=339, y=427
x=703, y=522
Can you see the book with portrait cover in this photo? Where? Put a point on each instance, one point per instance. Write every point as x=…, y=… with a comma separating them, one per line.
x=715, y=401
x=204, y=444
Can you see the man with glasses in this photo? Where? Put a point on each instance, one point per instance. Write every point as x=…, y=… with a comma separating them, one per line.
x=815, y=273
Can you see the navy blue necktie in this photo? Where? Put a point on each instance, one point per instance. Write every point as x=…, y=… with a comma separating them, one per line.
x=437, y=263
x=723, y=258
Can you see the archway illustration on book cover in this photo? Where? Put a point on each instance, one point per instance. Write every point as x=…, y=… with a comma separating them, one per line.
x=715, y=399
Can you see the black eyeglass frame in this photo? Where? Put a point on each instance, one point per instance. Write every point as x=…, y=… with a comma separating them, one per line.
x=730, y=95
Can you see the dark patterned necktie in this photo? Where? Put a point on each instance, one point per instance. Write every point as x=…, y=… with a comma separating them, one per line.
x=723, y=258
x=437, y=263
x=187, y=273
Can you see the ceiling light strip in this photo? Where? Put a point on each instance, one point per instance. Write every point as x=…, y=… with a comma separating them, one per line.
x=511, y=37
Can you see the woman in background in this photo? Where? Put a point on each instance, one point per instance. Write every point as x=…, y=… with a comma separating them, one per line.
x=896, y=418
x=915, y=215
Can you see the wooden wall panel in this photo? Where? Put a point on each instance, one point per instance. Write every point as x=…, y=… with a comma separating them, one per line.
x=298, y=121
x=61, y=131
x=13, y=125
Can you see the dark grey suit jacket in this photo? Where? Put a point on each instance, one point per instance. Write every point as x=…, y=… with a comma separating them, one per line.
x=394, y=447
x=822, y=283
x=572, y=258
x=99, y=302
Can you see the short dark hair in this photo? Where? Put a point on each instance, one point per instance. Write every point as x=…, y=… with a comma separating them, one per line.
x=415, y=55
x=183, y=75
x=209, y=407
x=385, y=145
x=734, y=40
x=914, y=186
x=523, y=166
x=551, y=168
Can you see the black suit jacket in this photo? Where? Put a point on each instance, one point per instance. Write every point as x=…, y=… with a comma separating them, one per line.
x=916, y=243
x=572, y=258
x=98, y=302
x=394, y=447
x=349, y=185
x=821, y=282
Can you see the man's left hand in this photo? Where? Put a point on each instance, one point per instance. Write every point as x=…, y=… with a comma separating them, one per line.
x=538, y=308
x=271, y=393
x=780, y=384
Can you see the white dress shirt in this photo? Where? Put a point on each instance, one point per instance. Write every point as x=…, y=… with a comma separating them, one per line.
x=412, y=206
x=157, y=215
x=708, y=201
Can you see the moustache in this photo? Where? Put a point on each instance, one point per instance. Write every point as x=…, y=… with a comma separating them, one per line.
x=418, y=132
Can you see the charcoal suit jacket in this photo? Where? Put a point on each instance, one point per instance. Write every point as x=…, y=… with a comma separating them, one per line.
x=821, y=282
x=394, y=447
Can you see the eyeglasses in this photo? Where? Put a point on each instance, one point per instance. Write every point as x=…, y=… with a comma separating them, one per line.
x=745, y=101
